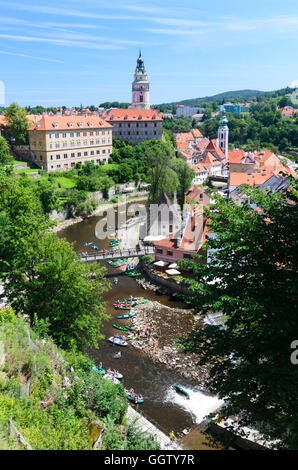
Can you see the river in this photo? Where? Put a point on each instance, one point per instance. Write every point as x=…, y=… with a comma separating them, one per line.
x=162, y=406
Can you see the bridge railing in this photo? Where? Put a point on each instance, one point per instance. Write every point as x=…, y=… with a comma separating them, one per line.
x=122, y=253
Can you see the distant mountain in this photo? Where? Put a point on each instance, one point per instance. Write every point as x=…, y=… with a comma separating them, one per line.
x=228, y=95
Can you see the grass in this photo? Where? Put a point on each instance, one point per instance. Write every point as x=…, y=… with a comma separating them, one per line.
x=65, y=183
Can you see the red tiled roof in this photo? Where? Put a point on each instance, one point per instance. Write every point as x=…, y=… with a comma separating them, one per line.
x=48, y=123
x=252, y=179
x=202, y=144
x=199, y=168
x=236, y=156
x=212, y=147
x=133, y=115
x=210, y=160
x=196, y=133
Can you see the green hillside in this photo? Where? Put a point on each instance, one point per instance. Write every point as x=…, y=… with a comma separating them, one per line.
x=229, y=95
x=53, y=396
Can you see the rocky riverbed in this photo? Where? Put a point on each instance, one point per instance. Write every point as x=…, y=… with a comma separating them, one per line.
x=158, y=326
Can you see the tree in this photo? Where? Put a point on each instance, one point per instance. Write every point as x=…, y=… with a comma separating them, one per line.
x=185, y=176
x=48, y=283
x=4, y=152
x=17, y=124
x=251, y=277
x=47, y=194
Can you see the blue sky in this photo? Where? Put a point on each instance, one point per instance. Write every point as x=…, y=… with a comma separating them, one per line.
x=71, y=52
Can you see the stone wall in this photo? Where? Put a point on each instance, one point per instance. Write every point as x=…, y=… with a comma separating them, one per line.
x=170, y=284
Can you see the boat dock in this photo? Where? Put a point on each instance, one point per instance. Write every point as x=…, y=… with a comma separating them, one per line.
x=140, y=422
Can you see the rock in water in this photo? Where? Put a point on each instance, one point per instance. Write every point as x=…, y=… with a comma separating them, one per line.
x=96, y=431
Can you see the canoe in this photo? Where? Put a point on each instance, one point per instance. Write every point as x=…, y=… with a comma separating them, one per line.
x=100, y=370
x=127, y=316
x=130, y=328
x=88, y=244
x=117, y=341
x=181, y=391
x=133, y=274
x=120, y=327
x=137, y=401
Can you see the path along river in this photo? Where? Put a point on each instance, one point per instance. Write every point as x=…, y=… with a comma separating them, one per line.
x=162, y=406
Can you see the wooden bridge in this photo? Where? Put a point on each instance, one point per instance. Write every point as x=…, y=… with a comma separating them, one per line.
x=117, y=254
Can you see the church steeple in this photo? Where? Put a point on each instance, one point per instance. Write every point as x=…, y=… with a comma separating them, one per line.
x=223, y=135
x=140, y=86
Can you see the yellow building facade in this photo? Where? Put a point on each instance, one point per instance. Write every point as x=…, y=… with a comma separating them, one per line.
x=59, y=142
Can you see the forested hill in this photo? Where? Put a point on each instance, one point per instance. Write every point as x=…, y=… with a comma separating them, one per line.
x=229, y=95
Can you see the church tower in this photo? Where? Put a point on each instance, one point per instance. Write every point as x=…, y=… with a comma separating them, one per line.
x=223, y=136
x=140, y=86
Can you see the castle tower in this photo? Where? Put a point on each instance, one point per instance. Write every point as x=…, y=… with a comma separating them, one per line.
x=140, y=86
x=223, y=135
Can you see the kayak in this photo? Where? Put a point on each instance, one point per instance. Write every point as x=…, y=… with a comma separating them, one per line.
x=127, y=316
x=88, y=244
x=124, y=306
x=137, y=401
x=115, y=281
x=181, y=391
x=130, y=328
x=133, y=274
x=100, y=370
x=118, y=341
x=120, y=327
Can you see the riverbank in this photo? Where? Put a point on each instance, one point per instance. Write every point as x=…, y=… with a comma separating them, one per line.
x=158, y=327
x=61, y=225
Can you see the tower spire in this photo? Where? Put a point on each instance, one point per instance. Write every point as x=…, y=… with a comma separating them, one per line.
x=140, y=86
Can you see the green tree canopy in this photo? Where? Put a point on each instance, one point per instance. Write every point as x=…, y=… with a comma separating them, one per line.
x=251, y=277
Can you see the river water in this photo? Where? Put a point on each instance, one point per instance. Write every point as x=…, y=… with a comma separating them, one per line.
x=162, y=406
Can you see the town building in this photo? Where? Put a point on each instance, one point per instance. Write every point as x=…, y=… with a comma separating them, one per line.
x=140, y=86
x=186, y=111
x=189, y=240
x=135, y=125
x=235, y=108
x=59, y=142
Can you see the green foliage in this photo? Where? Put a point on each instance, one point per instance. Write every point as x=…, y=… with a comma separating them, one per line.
x=62, y=291
x=5, y=156
x=252, y=278
x=263, y=127
x=17, y=124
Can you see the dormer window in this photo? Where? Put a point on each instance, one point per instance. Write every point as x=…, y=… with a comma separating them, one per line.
x=140, y=116
x=154, y=116
x=80, y=124
x=90, y=123
x=70, y=124
x=55, y=124
x=37, y=126
x=126, y=116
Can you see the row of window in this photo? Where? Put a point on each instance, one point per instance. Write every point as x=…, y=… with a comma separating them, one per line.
x=79, y=154
x=75, y=144
x=57, y=135
x=73, y=163
x=136, y=133
x=145, y=124
x=170, y=253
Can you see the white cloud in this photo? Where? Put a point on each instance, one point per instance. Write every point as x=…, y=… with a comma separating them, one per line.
x=31, y=56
